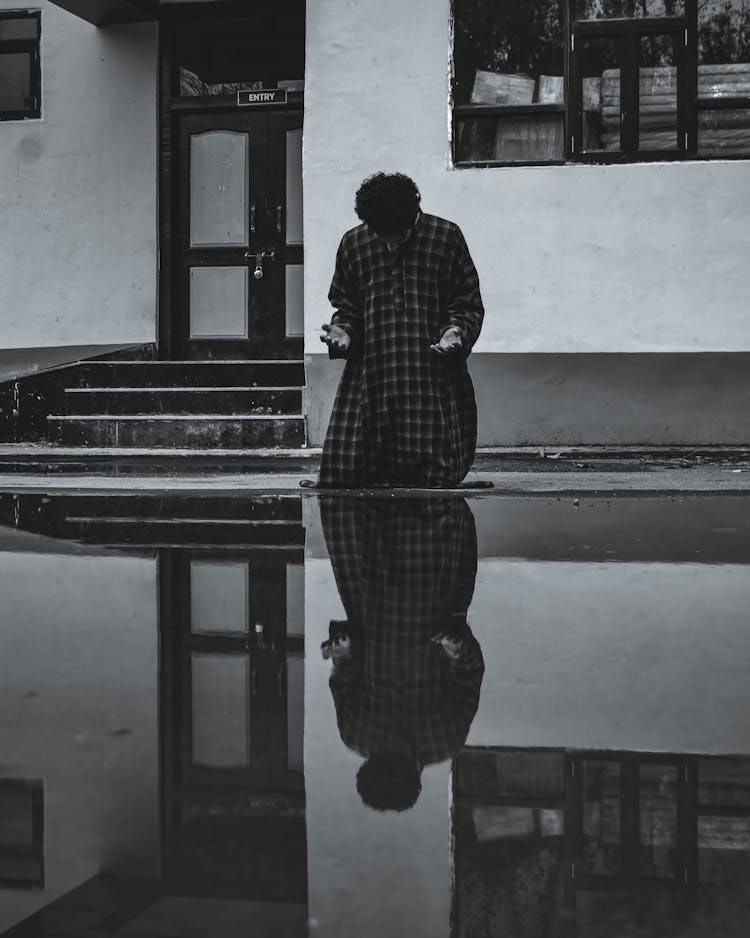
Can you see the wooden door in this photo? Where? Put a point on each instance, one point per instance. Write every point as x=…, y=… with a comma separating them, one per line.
x=238, y=261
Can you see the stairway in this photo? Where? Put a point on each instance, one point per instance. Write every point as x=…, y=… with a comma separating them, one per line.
x=199, y=405
x=143, y=520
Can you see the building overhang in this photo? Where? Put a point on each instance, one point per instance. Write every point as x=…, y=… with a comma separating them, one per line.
x=112, y=12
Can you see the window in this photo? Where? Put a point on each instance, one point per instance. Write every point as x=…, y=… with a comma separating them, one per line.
x=21, y=834
x=600, y=80
x=20, y=79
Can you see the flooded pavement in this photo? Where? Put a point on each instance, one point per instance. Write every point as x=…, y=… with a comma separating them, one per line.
x=335, y=716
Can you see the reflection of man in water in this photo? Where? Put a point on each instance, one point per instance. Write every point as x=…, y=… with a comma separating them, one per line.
x=406, y=669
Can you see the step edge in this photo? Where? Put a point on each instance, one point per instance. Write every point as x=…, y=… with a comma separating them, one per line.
x=164, y=417
x=199, y=361
x=180, y=390
x=125, y=519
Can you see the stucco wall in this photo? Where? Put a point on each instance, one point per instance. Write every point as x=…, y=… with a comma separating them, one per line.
x=79, y=705
x=612, y=655
x=78, y=247
x=639, y=258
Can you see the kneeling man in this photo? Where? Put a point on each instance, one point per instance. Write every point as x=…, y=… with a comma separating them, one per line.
x=408, y=311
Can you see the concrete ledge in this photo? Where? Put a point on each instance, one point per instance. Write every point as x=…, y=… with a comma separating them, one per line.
x=602, y=399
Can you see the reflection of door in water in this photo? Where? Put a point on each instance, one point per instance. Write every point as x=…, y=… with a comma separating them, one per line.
x=240, y=672
x=239, y=248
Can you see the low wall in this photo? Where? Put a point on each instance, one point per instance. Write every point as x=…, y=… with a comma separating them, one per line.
x=680, y=399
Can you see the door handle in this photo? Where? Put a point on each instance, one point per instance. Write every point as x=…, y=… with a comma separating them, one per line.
x=259, y=258
x=279, y=217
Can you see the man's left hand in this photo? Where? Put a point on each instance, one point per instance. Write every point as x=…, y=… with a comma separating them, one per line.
x=451, y=341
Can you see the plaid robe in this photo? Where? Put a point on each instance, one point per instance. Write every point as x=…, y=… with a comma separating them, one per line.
x=402, y=413
x=405, y=569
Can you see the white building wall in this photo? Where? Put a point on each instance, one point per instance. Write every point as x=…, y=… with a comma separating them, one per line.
x=79, y=710
x=78, y=250
x=638, y=258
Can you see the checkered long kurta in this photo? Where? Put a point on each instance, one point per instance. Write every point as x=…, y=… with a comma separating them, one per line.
x=405, y=569
x=402, y=413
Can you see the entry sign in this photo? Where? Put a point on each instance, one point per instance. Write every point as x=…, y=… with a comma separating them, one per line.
x=260, y=96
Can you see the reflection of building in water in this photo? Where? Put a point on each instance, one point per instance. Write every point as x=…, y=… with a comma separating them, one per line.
x=549, y=842
x=102, y=730
x=407, y=670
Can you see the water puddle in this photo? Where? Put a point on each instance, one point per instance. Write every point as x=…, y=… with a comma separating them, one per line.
x=326, y=716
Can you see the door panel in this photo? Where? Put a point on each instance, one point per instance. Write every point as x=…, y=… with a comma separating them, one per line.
x=240, y=202
x=219, y=189
x=218, y=301
x=239, y=689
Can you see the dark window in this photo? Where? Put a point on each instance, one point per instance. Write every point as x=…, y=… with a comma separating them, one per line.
x=600, y=80
x=20, y=80
x=21, y=834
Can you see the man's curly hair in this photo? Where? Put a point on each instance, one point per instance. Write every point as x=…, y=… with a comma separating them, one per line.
x=389, y=782
x=388, y=203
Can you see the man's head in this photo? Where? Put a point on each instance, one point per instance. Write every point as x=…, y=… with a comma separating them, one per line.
x=388, y=203
x=389, y=781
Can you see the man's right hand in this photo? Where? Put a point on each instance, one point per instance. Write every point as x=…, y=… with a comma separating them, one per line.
x=336, y=338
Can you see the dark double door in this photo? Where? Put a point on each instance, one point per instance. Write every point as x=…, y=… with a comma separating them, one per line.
x=238, y=254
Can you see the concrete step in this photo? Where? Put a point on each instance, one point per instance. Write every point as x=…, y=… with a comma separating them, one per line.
x=215, y=373
x=183, y=432
x=175, y=506
x=184, y=532
x=156, y=519
x=240, y=401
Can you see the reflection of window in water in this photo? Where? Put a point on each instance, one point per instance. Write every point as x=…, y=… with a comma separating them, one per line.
x=21, y=834
x=546, y=841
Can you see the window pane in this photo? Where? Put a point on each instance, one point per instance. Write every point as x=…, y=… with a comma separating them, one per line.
x=16, y=817
x=19, y=27
x=219, y=181
x=657, y=799
x=295, y=299
x=219, y=596
x=502, y=48
x=602, y=107
x=15, y=81
x=294, y=186
x=218, y=56
x=295, y=712
x=509, y=774
x=724, y=783
x=724, y=132
x=657, y=93
x=629, y=9
x=508, y=864
x=724, y=81
x=724, y=36
x=21, y=849
x=602, y=851
x=220, y=710
x=218, y=302
x=295, y=599
x=511, y=138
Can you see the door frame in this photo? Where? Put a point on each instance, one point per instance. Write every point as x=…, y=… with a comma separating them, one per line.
x=171, y=107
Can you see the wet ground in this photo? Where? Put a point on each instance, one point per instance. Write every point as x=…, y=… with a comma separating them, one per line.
x=226, y=712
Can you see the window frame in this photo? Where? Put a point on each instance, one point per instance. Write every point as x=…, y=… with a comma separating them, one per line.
x=35, y=788
x=689, y=103
x=33, y=48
